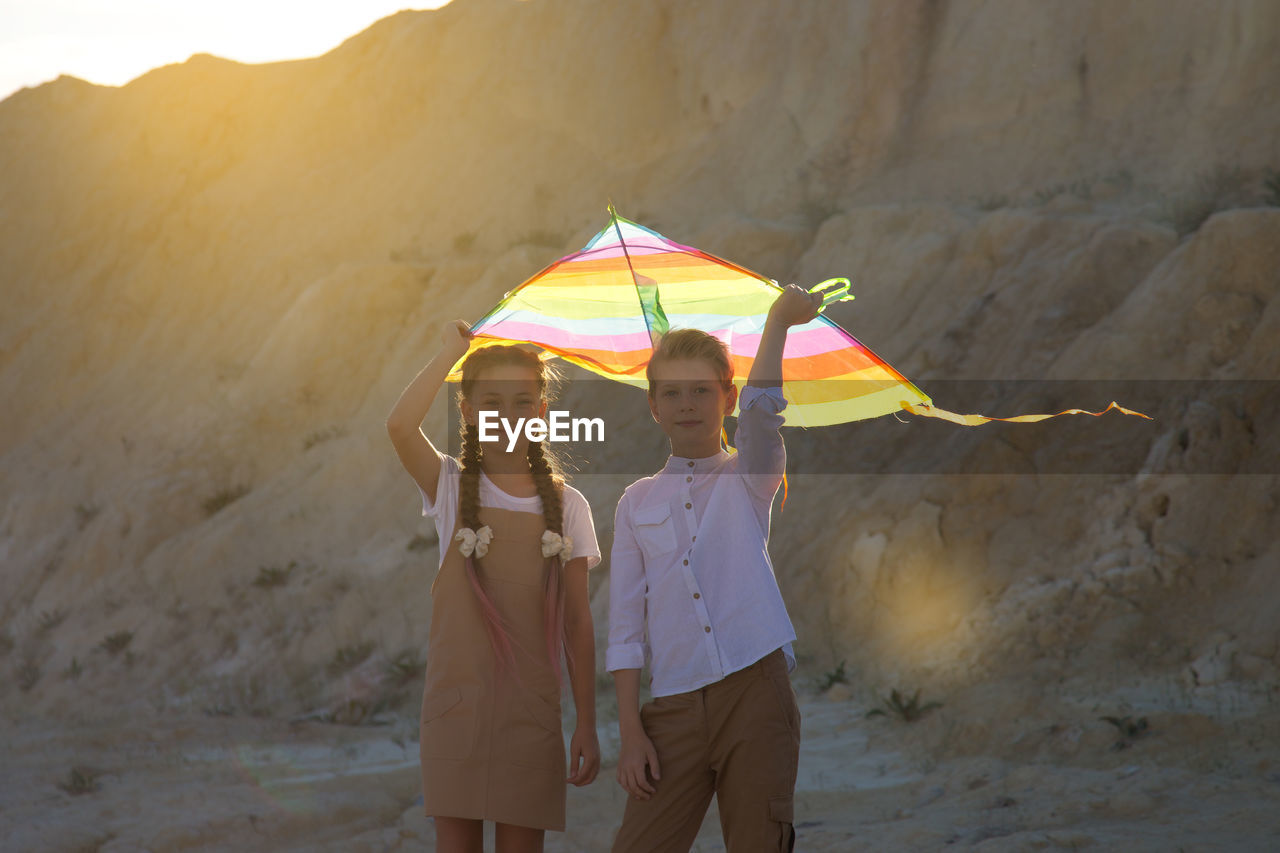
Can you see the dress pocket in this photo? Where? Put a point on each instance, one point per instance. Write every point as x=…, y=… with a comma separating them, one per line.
x=534, y=738
x=655, y=531
x=448, y=725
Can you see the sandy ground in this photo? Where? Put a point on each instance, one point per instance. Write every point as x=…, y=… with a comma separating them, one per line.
x=1202, y=779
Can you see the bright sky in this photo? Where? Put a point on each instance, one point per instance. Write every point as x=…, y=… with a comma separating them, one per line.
x=113, y=41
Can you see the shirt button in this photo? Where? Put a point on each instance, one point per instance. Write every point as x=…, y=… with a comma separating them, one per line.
x=690, y=464
x=697, y=595
x=695, y=539
x=688, y=506
x=686, y=562
x=707, y=628
x=688, y=479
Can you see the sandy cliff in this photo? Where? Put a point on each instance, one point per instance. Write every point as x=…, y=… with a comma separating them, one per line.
x=217, y=278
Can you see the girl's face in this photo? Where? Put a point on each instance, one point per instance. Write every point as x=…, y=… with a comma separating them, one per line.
x=511, y=392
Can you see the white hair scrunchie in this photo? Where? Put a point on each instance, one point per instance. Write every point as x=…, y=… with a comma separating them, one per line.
x=474, y=541
x=553, y=543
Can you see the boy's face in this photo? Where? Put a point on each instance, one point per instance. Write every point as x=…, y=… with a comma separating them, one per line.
x=690, y=403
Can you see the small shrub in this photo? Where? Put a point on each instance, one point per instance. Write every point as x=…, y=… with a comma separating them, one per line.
x=6, y=642
x=832, y=678
x=28, y=675
x=1213, y=190
x=1130, y=730
x=988, y=203
x=420, y=543
x=348, y=657
x=1121, y=180
x=50, y=619
x=273, y=576
x=114, y=644
x=320, y=436
x=223, y=498
x=464, y=242
x=73, y=670
x=404, y=668
x=542, y=238
x=1271, y=186
x=85, y=513
x=81, y=780
x=906, y=710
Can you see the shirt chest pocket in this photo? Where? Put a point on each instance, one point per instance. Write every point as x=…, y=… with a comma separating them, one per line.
x=655, y=531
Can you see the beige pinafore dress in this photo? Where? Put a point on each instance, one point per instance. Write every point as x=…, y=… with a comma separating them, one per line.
x=491, y=743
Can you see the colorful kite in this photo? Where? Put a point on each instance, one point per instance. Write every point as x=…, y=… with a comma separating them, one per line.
x=604, y=307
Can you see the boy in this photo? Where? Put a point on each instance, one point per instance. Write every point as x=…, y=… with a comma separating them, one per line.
x=692, y=593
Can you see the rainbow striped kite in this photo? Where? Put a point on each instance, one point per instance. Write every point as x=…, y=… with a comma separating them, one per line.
x=602, y=308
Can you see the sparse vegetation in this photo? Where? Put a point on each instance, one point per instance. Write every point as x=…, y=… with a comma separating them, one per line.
x=50, y=619
x=81, y=780
x=114, y=644
x=543, y=238
x=73, y=670
x=6, y=642
x=273, y=576
x=223, y=498
x=1211, y=191
x=1081, y=189
x=349, y=656
x=1130, y=730
x=990, y=202
x=320, y=436
x=1271, y=188
x=28, y=675
x=832, y=678
x=85, y=513
x=404, y=668
x=420, y=543
x=906, y=710
x=464, y=242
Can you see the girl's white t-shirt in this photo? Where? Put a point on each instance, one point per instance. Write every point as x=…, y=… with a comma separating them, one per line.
x=577, y=512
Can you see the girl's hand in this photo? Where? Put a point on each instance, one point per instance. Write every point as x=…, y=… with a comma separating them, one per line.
x=584, y=756
x=794, y=306
x=636, y=754
x=455, y=339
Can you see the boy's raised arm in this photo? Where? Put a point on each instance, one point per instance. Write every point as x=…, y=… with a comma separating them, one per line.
x=793, y=306
x=760, y=448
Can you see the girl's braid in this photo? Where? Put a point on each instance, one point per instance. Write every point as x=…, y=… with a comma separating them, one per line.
x=551, y=489
x=469, y=511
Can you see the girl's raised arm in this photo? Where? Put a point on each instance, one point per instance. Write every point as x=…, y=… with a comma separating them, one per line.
x=418, y=455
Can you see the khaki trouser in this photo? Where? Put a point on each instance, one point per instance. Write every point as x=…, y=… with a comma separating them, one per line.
x=737, y=739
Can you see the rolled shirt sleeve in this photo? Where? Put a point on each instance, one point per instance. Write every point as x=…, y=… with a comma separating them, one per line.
x=627, y=588
x=762, y=454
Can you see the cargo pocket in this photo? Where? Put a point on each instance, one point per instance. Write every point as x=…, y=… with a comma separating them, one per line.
x=447, y=725
x=782, y=812
x=655, y=532
x=534, y=738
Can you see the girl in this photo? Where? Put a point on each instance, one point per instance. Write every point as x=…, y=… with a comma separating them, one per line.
x=516, y=543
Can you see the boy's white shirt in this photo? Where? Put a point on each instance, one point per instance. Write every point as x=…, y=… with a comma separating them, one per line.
x=691, y=589
x=577, y=512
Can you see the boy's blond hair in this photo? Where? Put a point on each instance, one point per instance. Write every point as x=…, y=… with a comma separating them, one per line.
x=691, y=345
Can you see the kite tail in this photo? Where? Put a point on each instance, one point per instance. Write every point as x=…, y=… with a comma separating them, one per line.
x=928, y=411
